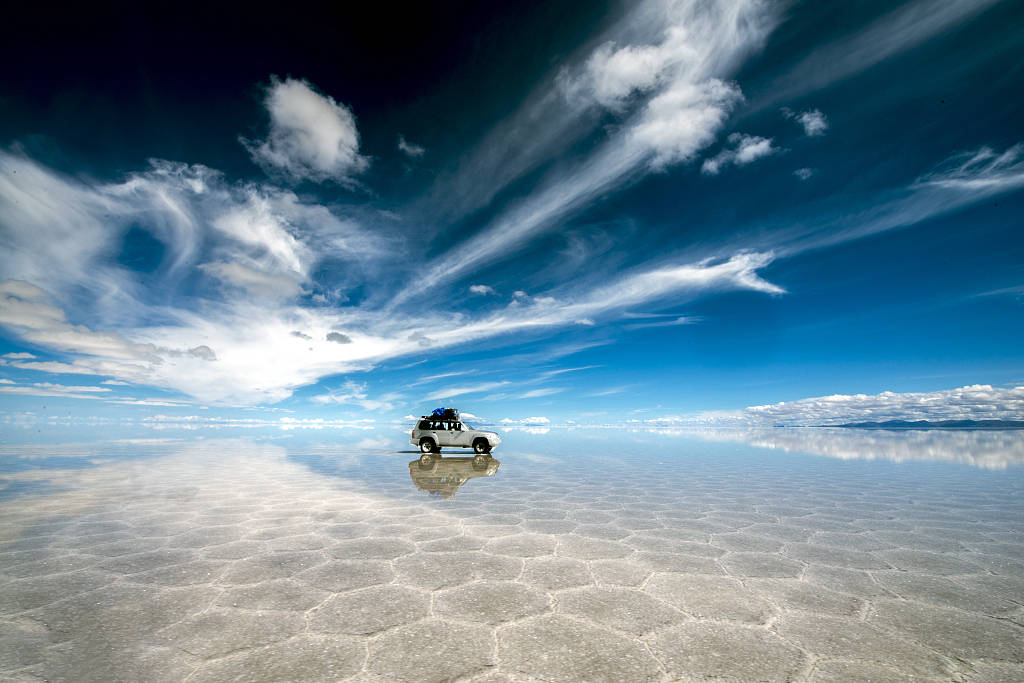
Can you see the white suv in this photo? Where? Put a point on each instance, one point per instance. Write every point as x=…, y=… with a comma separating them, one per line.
x=431, y=433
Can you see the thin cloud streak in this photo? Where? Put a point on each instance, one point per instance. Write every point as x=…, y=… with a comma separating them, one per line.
x=895, y=32
x=678, y=113
x=452, y=392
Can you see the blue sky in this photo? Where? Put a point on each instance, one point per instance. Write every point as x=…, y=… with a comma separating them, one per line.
x=662, y=211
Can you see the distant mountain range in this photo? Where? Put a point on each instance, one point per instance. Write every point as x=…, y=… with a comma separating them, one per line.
x=940, y=424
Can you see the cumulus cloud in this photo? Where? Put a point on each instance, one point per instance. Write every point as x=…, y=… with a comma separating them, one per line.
x=410, y=149
x=684, y=41
x=339, y=338
x=813, y=121
x=974, y=402
x=803, y=173
x=745, y=149
x=311, y=137
x=481, y=289
x=684, y=119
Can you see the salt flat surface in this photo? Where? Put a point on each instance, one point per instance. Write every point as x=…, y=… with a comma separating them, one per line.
x=572, y=556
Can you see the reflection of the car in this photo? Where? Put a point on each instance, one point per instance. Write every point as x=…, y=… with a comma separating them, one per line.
x=443, y=476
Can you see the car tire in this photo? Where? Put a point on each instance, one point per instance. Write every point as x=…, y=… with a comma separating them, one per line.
x=481, y=447
x=426, y=461
x=427, y=445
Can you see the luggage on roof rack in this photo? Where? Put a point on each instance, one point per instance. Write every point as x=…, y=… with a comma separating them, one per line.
x=445, y=413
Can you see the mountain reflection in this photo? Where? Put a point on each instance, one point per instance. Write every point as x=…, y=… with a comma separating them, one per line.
x=442, y=477
x=993, y=450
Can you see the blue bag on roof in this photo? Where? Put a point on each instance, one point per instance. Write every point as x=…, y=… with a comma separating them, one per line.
x=438, y=412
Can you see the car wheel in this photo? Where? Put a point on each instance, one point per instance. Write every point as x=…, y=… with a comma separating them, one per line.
x=427, y=445
x=426, y=460
x=481, y=447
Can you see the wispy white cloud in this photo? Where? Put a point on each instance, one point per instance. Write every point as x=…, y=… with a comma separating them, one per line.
x=63, y=388
x=258, y=359
x=611, y=391
x=692, y=46
x=23, y=307
x=481, y=289
x=547, y=374
x=746, y=149
x=452, y=392
x=311, y=137
x=433, y=378
x=958, y=182
x=905, y=27
x=1004, y=291
x=18, y=356
x=409, y=149
x=253, y=281
x=50, y=390
x=544, y=391
x=355, y=393
x=983, y=171
x=681, y=320
x=814, y=122
x=803, y=173
x=254, y=357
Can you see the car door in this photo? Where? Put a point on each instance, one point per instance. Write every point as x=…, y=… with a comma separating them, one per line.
x=447, y=434
x=459, y=434
x=437, y=433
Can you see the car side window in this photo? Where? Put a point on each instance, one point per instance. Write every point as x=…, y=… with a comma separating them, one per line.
x=457, y=426
x=424, y=425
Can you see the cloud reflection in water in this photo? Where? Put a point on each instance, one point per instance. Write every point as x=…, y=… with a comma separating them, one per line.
x=993, y=450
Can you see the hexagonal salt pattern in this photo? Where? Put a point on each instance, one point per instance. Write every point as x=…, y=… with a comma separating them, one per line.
x=232, y=560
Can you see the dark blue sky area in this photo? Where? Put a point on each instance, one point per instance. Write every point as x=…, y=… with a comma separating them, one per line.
x=662, y=211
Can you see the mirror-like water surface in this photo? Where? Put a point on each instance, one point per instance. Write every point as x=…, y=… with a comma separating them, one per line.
x=599, y=556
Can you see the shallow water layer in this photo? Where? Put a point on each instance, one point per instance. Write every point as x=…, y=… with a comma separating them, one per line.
x=568, y=556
